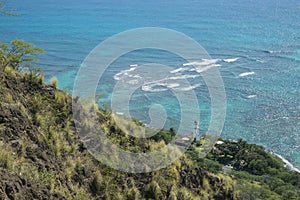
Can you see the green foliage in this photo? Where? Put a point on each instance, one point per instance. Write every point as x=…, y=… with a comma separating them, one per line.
x=210, y=165
x=54, y=82
x=248, y=157
x=164, y=135
x=133, y=194
x=6, y=156
x=34, y=76
x=97, y=183
x=18, y=55
x=154, y=191
x=253, y=168
x=253, y=190
x=137, y=122
x=185, y=194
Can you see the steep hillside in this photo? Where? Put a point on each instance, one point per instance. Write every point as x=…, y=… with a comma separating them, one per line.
x=41, y=157
x=41, y=151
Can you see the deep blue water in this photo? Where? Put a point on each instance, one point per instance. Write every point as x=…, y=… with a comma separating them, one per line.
x=263, y=107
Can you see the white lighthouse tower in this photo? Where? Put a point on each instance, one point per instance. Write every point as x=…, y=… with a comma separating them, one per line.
x=195, y=130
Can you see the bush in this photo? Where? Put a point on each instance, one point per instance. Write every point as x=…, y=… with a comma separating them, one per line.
x=18, y=54
x=54, y=82
x=165, y=135
x=210, y=165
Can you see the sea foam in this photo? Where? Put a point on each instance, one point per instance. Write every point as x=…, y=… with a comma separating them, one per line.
x=119, y=75
x=230, y=60
x=202, y=69
x=251, y=96
x=186, y=76
x=181, y=69
x=287, y=163
x=184, y=89
x=203, y=62
x=246, y=74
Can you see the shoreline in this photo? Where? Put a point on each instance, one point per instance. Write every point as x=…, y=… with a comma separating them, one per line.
x=287, y=164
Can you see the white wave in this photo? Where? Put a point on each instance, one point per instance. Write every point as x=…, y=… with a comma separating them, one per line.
x=186, y=76
x=230, y=60
x=126, y=72
x=184, y=89
x=119, y=113
x=260, y=61
x=133, y=65
x=202, y=69
x=251, y=96
x=118, y=76
x=287, y=164
x=136, y=76
x=181, y=69
x=189, y=64
x=149, y=88
x=246, y=74
x=133, y=82
x=163, y=86
x=131, y=69
x=172, y=85
x=209, y=61
x=203, y=62
x=132, y=75
x=272, y=51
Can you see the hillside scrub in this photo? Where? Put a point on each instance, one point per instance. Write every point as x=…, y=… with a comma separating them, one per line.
x=42, y=156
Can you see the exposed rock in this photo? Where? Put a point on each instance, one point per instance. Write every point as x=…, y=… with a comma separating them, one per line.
x=14, y=187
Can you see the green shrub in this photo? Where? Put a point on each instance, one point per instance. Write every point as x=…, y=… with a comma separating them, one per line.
x=54, y=82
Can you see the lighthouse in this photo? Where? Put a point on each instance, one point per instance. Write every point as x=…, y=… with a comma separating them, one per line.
x=195, y=130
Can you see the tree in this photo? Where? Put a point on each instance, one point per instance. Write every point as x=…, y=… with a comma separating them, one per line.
x=18, y=54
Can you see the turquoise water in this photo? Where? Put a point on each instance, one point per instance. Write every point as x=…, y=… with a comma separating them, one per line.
x=262, y=84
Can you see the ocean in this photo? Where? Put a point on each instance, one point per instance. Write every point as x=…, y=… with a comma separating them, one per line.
x=256, y=45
